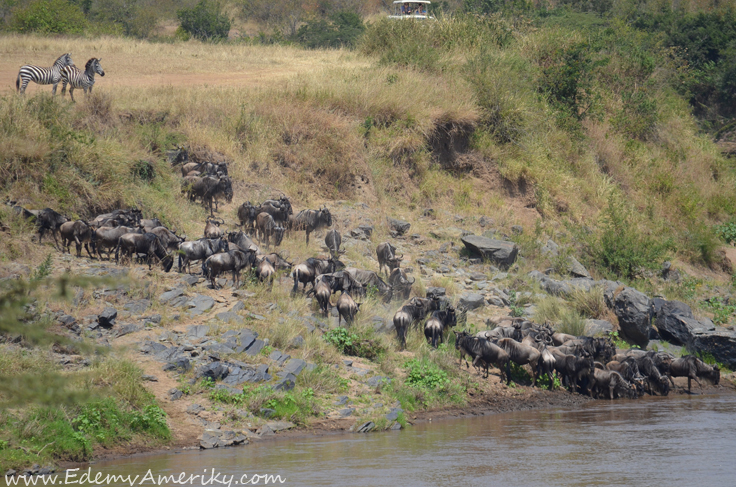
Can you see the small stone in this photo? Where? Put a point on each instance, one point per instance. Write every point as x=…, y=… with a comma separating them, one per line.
x=297, y=342
x=517, y=229
x=170, y=295
x=107, y=317
x=195, y=409
x=198, y=331
x=149, y=378
x=366, y=427
x=175, y=394
x=344, y=413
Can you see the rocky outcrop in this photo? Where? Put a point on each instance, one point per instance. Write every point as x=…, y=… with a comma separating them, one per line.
x=499, y=252
x=675, y=321
x=720, y=344
x=399, y=227
x=634, y=312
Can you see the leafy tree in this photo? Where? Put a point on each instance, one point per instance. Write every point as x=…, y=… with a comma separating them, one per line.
x=341, y=29
x=49, y=17
x=205, y=21
x=130, y=15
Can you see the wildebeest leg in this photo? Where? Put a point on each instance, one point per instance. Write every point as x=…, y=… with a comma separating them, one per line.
x=508, y=372
x=610, y=390
x=307, y=236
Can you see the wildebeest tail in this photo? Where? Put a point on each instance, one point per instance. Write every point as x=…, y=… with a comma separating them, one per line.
x=206, y=270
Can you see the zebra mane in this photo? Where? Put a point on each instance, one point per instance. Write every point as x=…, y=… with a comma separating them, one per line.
x=60, y=60
x=89, y=63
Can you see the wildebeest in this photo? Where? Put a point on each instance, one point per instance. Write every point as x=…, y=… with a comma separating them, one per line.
x=118, y=218
x=265, y=270
x=209, y=188
x=278, y=262
x=692, y=367
x=400, y=283
x=307, y=271
x=209, y=168
x=149, y=244
x=414, y=310
x=611, y=380
x=80, y=233
x=347, y=308
x=279, y=210
x=106, y=238
x=233, y=260
x=242, y=240
x=323, y=291
x=522, y=354
x=654, y=375
x=247, y=214
x=387, y=257
x=266, y=228
x=601, y=349
x=169, y=239
x=19, y=210
x=149, y=224
x=572, y=368
x=371, y=278
x=212, y=228
x=436, y=325
x=560, y=338
x=333, y=240
x=199, y=250
x=48, y=220
x=483, y=352
x=312, y=220
x=344, y=281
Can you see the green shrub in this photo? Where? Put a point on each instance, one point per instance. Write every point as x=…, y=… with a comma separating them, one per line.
x=205, y=21
x=350, y=343
x=726, y=232
x=342, y=29
x=49, y=17
x=423, y=373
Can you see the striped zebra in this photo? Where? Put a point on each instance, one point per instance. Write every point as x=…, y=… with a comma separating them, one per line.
x=42, y=76
x=76, y=78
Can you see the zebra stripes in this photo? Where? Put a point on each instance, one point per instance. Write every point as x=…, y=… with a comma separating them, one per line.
x=42, y=76
x=76, y=78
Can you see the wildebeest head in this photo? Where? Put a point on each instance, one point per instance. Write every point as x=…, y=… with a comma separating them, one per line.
x=325, y=216
x=278, y=234
x=335, y=264
x=226, y=187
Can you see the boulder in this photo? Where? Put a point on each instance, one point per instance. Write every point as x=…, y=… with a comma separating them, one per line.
x=470, y=301
x=550, y=249
x=675, y=321
x=597, y=327
x=170, y=295
x=215, y=371
x=498, y=251
x=198, y=331
x=720, y=344
x=398, y=226
x=199, y=304
x=634, y=312
x=107, y=317
x=576, y=269
x=295, y=366
x=285, y=384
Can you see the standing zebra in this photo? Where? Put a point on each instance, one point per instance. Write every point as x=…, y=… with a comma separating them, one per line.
x=77, y=79
x=42, y=76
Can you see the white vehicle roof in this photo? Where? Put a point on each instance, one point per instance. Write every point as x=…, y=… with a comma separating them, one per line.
x=412, y=1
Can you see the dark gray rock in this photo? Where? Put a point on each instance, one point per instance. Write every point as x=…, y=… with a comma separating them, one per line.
x=195, y=409
x=214, y=370
x=675, y=321
x=239, y=306
x=170, y=295
x=341, y=401
x=576, y=269
x=175, y=394
x=179, y=363
x=275, y=355
x=517, y=229
x=218, y=348
x=485, y=221
x=209, y=441
x=190, y=280
x=137, y=307
x=366, y=427
x=597, y=327
x=297, y=342
x=200, y=304
x=398, y=226
x=720, y=344
x=499, y=252
x=67, y=320
x=470, y=301
x=295, y=366
x=347, y=412
x=245, y=342
x=149, y=378
x=198, y=331
x=366, y=229
x=377, y=381
x=255, y=347
x=550, y=249
x=395, y=427
x=127, y=329
x=393, y=414
x=230, y=317
x=107, y=317
x=634, y=312
x=435, y=292
x=285, y=384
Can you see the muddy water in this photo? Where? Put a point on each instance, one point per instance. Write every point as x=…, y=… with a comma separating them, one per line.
x=675, y=441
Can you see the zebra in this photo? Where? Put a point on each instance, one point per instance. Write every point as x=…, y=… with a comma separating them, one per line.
x=42, y=76
x=75, y=78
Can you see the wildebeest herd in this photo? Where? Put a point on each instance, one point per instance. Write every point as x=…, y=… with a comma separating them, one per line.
x=584, y=364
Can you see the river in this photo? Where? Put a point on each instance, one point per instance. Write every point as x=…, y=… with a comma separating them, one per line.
x=673, y=441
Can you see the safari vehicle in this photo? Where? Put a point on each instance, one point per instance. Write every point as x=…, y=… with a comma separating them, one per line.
x=411, y=9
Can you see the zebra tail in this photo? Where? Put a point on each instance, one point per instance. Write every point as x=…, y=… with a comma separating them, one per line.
x=17, y=82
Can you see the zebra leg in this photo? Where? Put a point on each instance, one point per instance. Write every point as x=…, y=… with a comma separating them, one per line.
x=23, y=86
x=71, y=93
x=53, y=89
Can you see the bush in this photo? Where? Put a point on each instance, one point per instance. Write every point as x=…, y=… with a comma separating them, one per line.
x=205, y=21
x=341, y=30
x=350, y=343
x=423, y=373
x=49, y=17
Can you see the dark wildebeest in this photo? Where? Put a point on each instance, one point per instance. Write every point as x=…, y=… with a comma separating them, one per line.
x=692, y=367
x=344, y=281
x=199, y=250
x=280, y=210
x=346, y=308
x=80, y=233
x=572, y=368
x=106, y=238
x=147, y=243
x=601, y=349
x=370, y=279
x=560, y=338
x=522, y=354
x=209, y=188
x=387, y=257
x=413, y=311
x=49, y=221
x=266, y=228
x=647, y=367
x=149, y=224
x=247, y=214
x=312, y=220
x=611, y=380
x=400, y=283
x=438, y=323
x=118, y=218
x=322, y=291
x=212, y=228
x=242, y=241
x=233, y=260
x=307, y=272
x=483, y=352
x=170, y=240
x=278, y=262
x=333, y=240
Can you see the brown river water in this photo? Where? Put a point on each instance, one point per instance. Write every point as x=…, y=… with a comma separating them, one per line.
x=674, y=441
